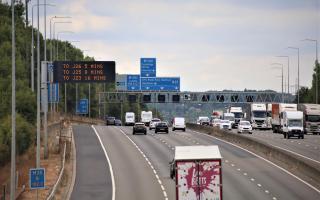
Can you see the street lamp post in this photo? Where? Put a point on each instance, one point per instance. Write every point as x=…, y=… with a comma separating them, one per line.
x=288, y=70
x=61, y=32
x=32, y=45
x=52, y=18
x=89, y=96
x=13, y=109
x=65, y=84
x=317, y=87
x=281, y=77
x=298, y=51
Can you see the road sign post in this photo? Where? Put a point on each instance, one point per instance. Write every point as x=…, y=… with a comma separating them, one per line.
x=37, y=178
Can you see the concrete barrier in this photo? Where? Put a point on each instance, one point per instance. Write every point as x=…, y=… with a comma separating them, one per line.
x=304, y=169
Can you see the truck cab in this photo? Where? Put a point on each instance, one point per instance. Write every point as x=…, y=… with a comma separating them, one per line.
x=230, y=117
x=258, y=116
x=238, y=115
x=292, y=124
x=311, y=116
x=197, y=171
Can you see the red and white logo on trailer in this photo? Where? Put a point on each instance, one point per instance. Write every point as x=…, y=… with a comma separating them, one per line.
x=199, y=180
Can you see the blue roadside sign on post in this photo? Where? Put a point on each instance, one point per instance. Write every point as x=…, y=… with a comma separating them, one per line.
x=83, y=107
x=161, y=84
x=53, y=94
x=37, y=178
x=133, y=82
x=148, y=67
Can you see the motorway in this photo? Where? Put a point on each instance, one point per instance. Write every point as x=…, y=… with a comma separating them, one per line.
x=140, y=166
x=307, y=148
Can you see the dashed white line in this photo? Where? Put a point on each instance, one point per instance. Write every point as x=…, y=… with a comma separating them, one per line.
x=151, y=166
x=268, y=161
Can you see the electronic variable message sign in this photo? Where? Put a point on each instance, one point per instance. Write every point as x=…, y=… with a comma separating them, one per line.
x=84, y=71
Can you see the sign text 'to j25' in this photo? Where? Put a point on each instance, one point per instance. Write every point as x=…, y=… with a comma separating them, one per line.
x=84, y=71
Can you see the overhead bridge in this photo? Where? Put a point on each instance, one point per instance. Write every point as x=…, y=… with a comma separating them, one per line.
x=195, y=97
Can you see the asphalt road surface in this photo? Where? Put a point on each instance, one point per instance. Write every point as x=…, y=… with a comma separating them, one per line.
x=140, y=165
x=93, y=180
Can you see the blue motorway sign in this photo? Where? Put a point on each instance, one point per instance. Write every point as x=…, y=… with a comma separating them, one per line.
x=37, y=177
x=148, y=67
x=161, y=83
x=83, y=107
x=53, y=93
x=133, y=82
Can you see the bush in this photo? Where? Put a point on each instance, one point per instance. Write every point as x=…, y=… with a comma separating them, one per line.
x=24, y=137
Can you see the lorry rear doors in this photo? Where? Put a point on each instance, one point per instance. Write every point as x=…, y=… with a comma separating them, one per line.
x=199, y=180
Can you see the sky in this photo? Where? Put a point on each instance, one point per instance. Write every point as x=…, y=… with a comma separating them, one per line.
x=210, y=44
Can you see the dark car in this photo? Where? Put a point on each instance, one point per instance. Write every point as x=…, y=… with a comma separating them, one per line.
x=110, y=121
x=162, y=127
x=139, y=127
x=118, y=122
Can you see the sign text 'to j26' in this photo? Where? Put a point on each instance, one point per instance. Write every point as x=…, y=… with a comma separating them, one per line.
x=84, y=71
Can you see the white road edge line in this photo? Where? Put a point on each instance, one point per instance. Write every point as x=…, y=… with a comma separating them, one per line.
x=268, y=161
x=150, y=165
x=109, y=163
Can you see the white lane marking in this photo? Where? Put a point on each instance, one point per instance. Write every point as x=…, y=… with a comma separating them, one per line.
x=109, y=163
x=252, y=179
x=149, y=163
x=266, y=191
x=268, y=161
x=259, y=185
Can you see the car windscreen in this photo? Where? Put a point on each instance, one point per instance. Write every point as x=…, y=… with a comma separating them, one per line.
x=238, y=115
x=295, y=123
x=245, y=123
x=260, y=114
x=313, y=118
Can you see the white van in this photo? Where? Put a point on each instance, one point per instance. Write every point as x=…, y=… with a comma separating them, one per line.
x=179, y=123
x=130, y=119
x=146, y=117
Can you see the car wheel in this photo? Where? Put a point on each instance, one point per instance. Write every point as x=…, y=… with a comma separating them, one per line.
x=184, y=130
x=173, y=129
x=133, y=133
x=250, y=132
x=284, y=135
x=302, y=136
x=145, y=132
x=167, y=132
x=155, y=131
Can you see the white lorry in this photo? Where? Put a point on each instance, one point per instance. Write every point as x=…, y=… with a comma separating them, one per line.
x=146, y=117
x=292, y=124
x=230, y=117
x=238, y=115
x=277, y=116
x=269, y=116
x=197, y=171
x=311, y=116
x=258, y=116
x=130, y=119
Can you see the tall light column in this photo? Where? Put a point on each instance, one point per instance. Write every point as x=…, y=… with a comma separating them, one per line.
x=281, y=77
x=317, y=78
x=32, y=45
x=288, y=71
x=297, y=49
x=13, y=108
x=65, y=84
